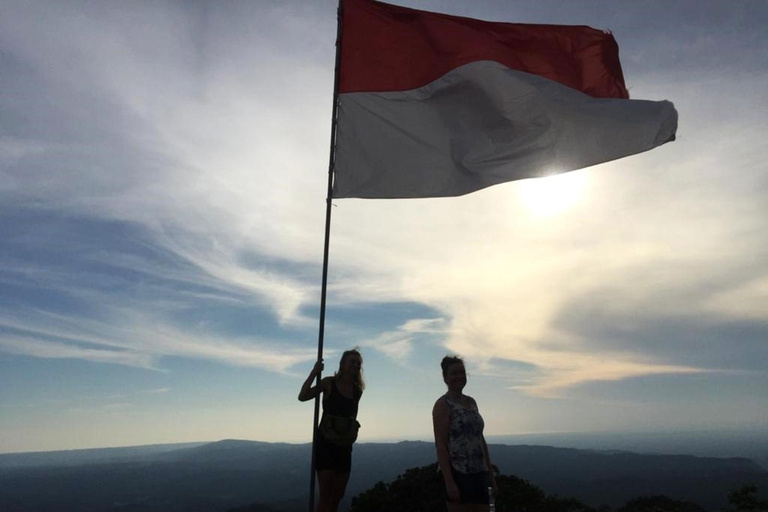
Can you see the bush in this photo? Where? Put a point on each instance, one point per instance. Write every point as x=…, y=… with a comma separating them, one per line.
x=421, y=490
x=659, y=504
x=746, y=500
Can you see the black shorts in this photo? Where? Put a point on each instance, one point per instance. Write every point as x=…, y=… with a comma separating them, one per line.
x=328, y=456
x=473, y=487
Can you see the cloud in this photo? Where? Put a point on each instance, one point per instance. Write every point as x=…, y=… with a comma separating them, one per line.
x=146, y=347
x=84, y=402
x=424, y=325
x=132, y=336
x=747, y=301
x=172, y=141
x=30, y=346
x=398, y=344
x=398, y=348
x=189, y=165
x=555, y=382
x=195, y=151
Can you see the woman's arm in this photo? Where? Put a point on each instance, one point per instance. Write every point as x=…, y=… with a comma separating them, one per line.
x=441, y=423
x=491, y=475
x=308, y=392
x=486, y=454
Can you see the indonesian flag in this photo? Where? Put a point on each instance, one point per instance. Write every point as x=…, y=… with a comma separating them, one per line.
x=432, y=105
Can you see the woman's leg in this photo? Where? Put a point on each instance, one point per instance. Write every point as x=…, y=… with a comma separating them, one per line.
x=339, y=488
x=332, y=488
x=452, y=506
x=472, y=487
x=325, y=490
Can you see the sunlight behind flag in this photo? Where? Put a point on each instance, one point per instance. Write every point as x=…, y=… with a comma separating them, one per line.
x=553, y=194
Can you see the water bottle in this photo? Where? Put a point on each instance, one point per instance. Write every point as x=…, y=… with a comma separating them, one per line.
x=491, y=500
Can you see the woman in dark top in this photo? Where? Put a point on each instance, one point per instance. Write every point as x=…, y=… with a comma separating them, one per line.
x=341, y=395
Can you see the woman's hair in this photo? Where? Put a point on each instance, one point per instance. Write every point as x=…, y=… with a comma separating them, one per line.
x=448, y=361
x=359, y=380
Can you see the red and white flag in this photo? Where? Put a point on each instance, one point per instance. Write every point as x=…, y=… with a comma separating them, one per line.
x=432, y=105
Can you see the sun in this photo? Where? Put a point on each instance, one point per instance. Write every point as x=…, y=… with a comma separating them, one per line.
x=554, y=194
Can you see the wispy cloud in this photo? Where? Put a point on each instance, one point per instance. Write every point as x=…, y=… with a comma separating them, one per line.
x=30, y=346
x=205, y=142
x=130, y=336
x=89, y=401
x=398, y=344
x=555, y=380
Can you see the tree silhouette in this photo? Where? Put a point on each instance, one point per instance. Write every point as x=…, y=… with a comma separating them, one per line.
x=421, y=490
x=254, y=507
x=659, y=504
x=416, y=490
x=746, y=500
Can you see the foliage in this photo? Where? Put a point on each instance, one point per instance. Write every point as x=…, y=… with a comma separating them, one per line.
x=746, y=500
x=421, y=490
x=659, y=504
x=254, y=507
x=416, y=490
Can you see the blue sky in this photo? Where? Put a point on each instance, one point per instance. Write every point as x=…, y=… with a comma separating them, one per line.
x=163, y=169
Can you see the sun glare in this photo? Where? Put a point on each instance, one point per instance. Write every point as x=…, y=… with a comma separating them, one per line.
x=553, y=194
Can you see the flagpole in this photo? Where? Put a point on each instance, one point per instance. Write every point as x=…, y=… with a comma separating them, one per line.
x=328, y=205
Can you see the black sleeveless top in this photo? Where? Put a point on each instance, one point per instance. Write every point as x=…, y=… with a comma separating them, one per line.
x=340, y=405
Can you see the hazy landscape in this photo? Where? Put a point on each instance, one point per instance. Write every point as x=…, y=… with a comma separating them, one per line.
x=164, y=190
x=232, y=473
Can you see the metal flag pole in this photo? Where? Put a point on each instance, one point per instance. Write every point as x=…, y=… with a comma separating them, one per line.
x=328, y=205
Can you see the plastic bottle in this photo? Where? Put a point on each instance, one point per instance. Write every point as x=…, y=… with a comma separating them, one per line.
x=491, y=500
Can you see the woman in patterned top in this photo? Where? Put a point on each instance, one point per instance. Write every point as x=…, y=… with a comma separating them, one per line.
x=462, y=453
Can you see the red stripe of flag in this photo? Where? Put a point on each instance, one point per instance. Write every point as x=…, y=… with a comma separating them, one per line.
x=390, y=48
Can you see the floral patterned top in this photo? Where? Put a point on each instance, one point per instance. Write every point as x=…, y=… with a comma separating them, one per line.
x=465, y=443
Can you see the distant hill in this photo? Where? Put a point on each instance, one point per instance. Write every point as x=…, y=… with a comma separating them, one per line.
x=751, y=443
x=89, y=456
x=229, y=474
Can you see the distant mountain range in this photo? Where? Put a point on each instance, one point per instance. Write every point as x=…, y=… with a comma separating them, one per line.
x=214, y=477
x=751, y=443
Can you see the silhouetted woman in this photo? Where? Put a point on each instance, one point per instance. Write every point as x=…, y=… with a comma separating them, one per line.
x=338, y=427
x=462, y=452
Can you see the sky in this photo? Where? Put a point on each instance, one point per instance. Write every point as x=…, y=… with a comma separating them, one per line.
x=163, y=173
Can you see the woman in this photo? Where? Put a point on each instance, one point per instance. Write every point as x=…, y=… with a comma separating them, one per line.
x=341, y=395
x=462, y=452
